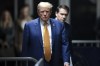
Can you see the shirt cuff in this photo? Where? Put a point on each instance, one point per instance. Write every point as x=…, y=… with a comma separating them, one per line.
x=66, y=63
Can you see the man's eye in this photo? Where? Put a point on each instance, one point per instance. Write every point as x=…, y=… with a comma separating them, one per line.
x=42, y=11
x=62, y=14
x=47, y=11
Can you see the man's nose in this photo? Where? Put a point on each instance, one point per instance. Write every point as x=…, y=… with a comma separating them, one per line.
x=64, y=16
x=45, y=13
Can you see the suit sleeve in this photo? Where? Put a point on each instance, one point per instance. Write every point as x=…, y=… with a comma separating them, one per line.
x=65, y=46
x=25, y=41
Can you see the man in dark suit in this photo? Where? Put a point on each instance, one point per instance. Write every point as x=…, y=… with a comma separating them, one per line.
x=61, y=14
x=44, y=37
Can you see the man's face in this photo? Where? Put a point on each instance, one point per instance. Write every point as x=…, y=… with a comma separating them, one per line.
x=26, y=11
x=44, y=13
x=62, y=15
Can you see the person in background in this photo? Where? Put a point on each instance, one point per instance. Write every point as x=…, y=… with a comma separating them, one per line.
x=6, y=35
x=6, y=29
x=61, y=14
x=44, y=37
x=24, y=17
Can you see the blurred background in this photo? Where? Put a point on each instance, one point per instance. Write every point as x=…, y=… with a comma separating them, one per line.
x=84, y=17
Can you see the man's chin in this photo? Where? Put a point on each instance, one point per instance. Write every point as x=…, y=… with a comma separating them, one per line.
x=45, y=20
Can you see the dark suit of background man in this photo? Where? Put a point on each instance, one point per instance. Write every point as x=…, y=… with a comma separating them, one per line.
x=35, y=40
x=61, y=14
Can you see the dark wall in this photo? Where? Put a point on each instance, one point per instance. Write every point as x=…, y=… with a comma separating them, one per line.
x=7, y=4
x=83, y=19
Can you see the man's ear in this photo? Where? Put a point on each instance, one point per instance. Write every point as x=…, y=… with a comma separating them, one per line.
x=56, y=14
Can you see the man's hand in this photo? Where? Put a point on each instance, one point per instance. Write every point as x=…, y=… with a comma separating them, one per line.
x=66, y=64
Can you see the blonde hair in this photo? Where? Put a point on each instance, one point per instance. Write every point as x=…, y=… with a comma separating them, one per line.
x=3, y=18
x=45, y=4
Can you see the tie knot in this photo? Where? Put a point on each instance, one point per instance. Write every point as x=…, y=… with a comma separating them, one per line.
x=45, y=23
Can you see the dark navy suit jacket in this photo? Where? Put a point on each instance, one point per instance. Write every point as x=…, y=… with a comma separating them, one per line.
x=33, y=44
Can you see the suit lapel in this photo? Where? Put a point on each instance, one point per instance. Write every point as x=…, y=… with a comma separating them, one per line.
x=38, y=29
x=53, y=27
